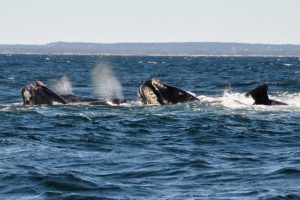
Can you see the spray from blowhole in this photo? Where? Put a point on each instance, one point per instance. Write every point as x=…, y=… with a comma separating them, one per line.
x=63, y=86
x=106, y=85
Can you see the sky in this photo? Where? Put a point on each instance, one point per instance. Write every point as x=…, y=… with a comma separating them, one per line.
x=110, y=21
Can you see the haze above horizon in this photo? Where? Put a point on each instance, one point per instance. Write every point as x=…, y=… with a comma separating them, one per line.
x=99, y=21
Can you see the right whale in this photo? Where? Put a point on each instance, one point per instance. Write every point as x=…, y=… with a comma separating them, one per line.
x=38, y=93
x=260, y=96
x=155, y=92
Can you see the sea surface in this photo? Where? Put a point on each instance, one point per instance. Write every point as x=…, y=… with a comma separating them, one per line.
x=221, y=147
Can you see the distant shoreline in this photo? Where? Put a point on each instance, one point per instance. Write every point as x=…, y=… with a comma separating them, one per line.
x=191, y=49
x=152, y=55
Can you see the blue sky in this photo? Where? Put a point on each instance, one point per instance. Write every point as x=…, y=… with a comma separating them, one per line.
x=253, y=21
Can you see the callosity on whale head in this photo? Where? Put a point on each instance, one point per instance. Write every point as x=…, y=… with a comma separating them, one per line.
x=153, y=91
x=37, y=93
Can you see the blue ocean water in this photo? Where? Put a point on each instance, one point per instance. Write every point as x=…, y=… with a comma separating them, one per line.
x=221, y=147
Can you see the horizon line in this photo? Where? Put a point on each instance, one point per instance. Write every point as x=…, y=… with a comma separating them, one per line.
x=142, y=42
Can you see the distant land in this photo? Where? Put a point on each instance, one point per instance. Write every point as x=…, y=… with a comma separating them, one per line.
x=152, y=49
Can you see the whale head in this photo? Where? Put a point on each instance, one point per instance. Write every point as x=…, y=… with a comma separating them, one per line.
x=37, y=93
x=155, y=92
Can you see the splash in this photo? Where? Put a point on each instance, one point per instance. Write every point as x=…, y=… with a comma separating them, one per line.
x=235, y=100
x=63, y=86
x=229, y=99
x=292, y=99
x=106, y=84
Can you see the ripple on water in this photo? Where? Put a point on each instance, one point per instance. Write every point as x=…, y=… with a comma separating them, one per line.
x=221, y=147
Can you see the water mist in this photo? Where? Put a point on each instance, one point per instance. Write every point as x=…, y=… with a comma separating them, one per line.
x=106, y=84
x=63, y=86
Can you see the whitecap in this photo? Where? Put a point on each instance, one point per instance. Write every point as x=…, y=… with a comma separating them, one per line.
x=287, y=64
x=152, y=62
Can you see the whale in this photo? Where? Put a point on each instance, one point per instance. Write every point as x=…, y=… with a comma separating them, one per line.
x=38, y=93
x=152, y=91
x=155, y=92
x=260, y=96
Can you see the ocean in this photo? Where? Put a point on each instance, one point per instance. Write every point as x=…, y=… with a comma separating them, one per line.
x=220, y=147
